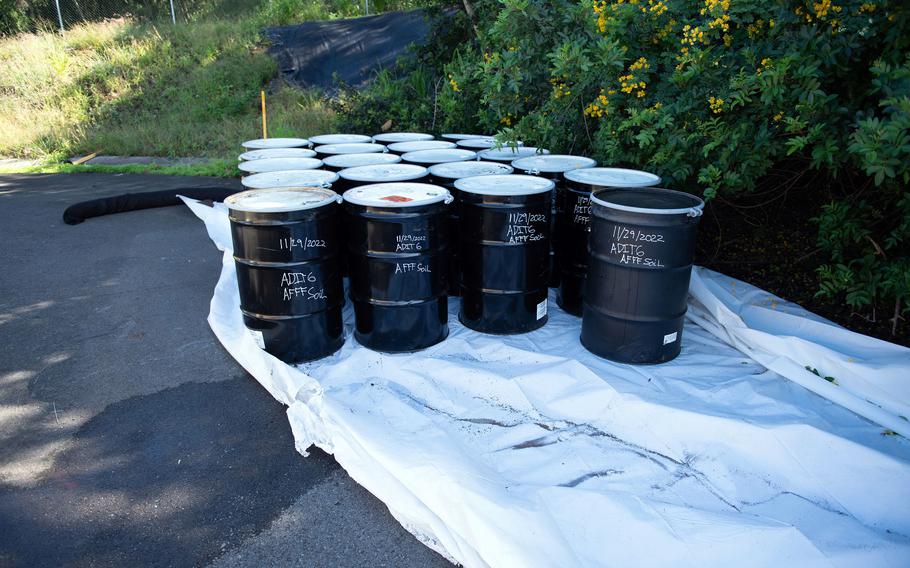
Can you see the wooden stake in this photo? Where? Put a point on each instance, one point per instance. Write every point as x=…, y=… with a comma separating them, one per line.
x=265, y=132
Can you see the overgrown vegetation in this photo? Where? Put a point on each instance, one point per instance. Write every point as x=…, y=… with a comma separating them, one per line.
x=131, y=86
x=713, y=95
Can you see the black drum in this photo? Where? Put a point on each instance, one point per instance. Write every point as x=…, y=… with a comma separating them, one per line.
x=286, y=250
x=552, y=167
x=504, y=249
x=398, y=257
x=573, y=214
x=641, y=246
x=366, y=175
x=445, y=175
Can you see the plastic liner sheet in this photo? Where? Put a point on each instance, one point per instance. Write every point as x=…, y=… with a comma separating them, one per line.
x=529, y=451
x=319, y=54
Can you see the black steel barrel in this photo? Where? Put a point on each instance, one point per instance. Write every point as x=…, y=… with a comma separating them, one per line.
x=290, y=178
x=445, y=175
x=504, y=249
x=641, y=246
x=552, y=167
x=286, y=250
x=398, y=254
x=379, y=173
x=338, y=162
x=326, y=150
x=573, y=214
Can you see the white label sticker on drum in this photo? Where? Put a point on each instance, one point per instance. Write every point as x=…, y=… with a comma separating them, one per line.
x=257, y=337
x=670, y=338
x=542, y=309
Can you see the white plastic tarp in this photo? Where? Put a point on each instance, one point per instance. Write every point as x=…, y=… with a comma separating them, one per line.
x=527, y=450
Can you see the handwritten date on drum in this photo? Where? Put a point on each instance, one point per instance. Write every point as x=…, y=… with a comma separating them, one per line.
x=521, y=227
x=302, y=243
x=621, y=233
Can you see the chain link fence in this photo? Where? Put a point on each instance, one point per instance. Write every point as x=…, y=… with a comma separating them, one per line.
x=23, y=15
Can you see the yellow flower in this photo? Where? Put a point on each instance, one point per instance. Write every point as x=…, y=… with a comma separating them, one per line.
x=716, y=105
x=641, y=63
x=778, y=116
x=453, y=83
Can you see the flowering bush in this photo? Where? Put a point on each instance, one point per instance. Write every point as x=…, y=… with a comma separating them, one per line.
x=711, y=95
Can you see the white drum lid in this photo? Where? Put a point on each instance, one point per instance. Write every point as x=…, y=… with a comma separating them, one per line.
x=458, y=170
x=279, y=165
x=353, y=148
x=613, y=177
x=378, y=173
x=464, y=136
x=354, y=160
x=340, y=139
x=279, y=200
x=391, y=137
x=292, y=178
x=554, y=163
x=276, y=153
x=476, y=143
x=509, y=154
x=439, y=156
x=417, y=145
x=505, y=185
x=265, y=143
x=399, y=194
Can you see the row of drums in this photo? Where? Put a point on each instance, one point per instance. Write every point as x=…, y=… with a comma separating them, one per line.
x=412, y=220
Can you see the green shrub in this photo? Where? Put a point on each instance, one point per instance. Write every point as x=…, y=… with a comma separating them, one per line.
x=711, y=95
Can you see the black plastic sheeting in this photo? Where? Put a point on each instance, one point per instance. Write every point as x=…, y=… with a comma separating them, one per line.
x=313, y=54
x=79, y=212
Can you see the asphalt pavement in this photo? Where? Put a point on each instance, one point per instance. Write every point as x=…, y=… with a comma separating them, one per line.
x=128, y=435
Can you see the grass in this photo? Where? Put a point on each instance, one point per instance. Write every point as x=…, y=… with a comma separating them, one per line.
x=214, y=168
x=125, y=87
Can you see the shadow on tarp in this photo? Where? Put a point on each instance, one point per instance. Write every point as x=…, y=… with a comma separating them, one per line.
x=320, y=54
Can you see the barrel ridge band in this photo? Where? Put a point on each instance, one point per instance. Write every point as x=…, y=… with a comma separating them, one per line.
x=287, y=318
